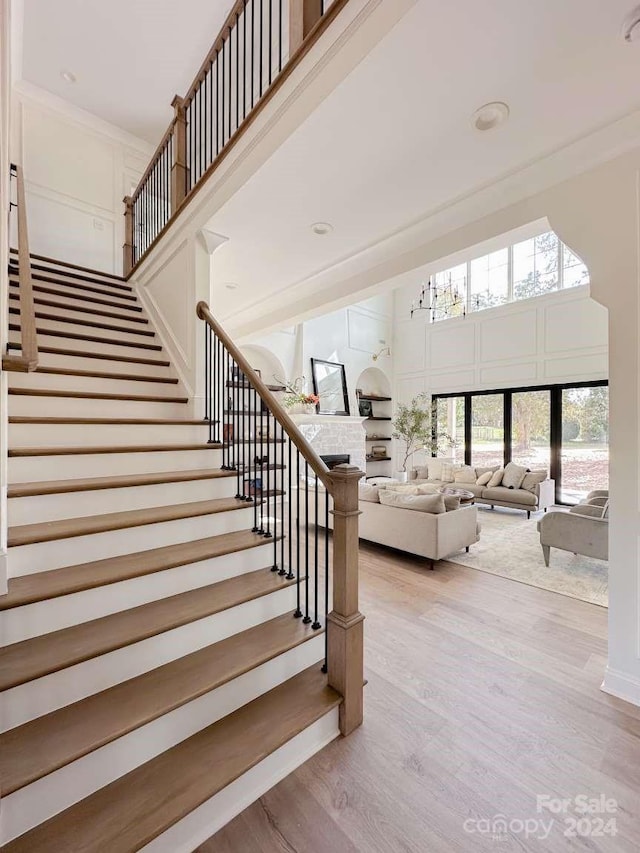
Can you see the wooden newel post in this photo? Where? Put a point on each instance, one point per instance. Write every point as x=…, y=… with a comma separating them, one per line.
x=345, y=666
x=127, y=249
x=303, y=16
x=179, y=165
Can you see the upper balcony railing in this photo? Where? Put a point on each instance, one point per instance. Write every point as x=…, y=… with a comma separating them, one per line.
x=259, y=45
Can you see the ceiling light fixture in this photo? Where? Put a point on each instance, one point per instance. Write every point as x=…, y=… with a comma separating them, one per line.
x=631, y=26
x=68, y=76
x=322, y=228
x=490, y=115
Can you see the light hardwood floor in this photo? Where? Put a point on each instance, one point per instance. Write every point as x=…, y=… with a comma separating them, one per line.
x=482, y=694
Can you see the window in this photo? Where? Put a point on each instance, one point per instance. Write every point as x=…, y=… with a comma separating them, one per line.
x=531, y=429
x=563, y=429
x=450, y=424
x=526, y=269
x=489, y=280
x=487, y=430
x=585, y=442
x=535, y=266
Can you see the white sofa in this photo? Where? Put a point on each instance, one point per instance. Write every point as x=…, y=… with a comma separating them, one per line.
x=583, y=530
x=425, y=534
x=540, y=496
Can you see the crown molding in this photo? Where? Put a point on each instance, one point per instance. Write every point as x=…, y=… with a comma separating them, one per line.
x=29, y=92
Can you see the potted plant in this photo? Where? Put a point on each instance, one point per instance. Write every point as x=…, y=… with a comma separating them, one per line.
x=412, y=425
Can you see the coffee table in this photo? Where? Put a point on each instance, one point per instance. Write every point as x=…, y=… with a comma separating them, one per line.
x=466, y=497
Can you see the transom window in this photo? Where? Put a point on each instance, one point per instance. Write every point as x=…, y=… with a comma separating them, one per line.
x=522, y=270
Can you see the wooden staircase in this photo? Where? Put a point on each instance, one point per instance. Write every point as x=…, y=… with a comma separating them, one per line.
x=153, y=679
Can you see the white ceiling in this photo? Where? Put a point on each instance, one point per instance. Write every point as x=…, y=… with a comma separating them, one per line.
x=394, y=142
x=130, y=57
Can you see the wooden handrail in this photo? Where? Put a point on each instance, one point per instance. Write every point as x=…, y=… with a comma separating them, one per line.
x=267, y=396
x=27, y=361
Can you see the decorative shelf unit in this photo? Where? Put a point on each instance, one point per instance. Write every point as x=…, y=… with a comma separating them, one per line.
x=376, y=408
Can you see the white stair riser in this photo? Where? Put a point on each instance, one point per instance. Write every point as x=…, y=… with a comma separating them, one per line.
x=105, y=365
x=82, y=345
x=95, y=384
x=96, y=332
x=85, y=312
x=88, y=407
x=28, y=469
x=46, y=694
x=39, y=508
x=77, y=289
x=51, y=266
x=42, y=556
x=32, y=620
x=200, y=824
x=39, y=801
x=92, y=435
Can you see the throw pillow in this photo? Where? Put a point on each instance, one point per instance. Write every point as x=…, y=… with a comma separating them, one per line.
x=381, y=481
x=401, y=488
x=451, y=502
x=427, y=489
x=483, y=479
x=446, y=474
x=420, y=503
x=496, y=478
x=533, y=479
x=368, y=492
x=466, y=474
x=421, y=473
x=513, y=476
x=435, y=467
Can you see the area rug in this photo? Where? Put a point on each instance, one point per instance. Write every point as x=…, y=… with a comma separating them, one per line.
x=509, y=546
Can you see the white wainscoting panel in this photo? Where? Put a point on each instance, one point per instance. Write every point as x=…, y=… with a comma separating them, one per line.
x=579, y=324
x=510, y=336
x=454, y=346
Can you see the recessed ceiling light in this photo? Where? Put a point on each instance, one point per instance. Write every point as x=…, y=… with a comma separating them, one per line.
x=631, y=26
x=231, y=285
x=321, y=228
x=490, y=115
x=68, y=76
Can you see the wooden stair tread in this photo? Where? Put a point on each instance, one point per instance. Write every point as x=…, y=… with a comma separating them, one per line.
x=93, y=324
x=39, y=656
x=76, y=272
x=84, y=286
x=69, y=265
x=48, y=531
x=97, y=374
x=17, y=452
x=27, y=589
x=158, y=362
x=130, y=812
x=36, y=419
x=94, y=395
x=77, y=336
x=93, y=484
x=43, y=745
x=83, y=297
x=89, y=308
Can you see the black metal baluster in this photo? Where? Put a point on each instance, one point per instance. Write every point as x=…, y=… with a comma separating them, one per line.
x=272, y=524
x=244, y=60
x=307, y=618
x=207, y=367
x=237, y=72
x=260, y=45
x=229, y=85
x=283, y=437
x=279, y=36
x=262, y=483
x=316, y=557
x=270, y=39
x=326, y=573
x=289, y=530
x=298, y=612
x=269, y=467
x=253, y=40
x=254, y=462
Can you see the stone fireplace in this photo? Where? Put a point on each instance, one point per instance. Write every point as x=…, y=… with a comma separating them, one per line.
x=332, y=435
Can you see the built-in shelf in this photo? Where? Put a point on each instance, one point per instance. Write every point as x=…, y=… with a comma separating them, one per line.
x=374, y=398
x=378, y=438
x=378, y=458
x=378, y=418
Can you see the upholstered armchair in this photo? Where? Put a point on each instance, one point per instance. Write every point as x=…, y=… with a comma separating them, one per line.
x=583, y=530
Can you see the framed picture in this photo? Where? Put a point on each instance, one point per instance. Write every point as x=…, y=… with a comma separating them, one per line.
x=330, y=386
x=365, y=408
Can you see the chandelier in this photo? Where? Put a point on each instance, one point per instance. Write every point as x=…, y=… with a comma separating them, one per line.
x=442, y=299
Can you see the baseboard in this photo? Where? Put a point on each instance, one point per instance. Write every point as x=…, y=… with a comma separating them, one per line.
x=622, y=685
x=193, y=830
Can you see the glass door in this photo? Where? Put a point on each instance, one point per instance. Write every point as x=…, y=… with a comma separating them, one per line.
x=530, y=429
x=487, y=430
x=450, y=425
x=584, y=455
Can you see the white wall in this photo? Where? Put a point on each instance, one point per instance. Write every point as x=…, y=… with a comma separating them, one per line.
x=560, y=337
x=77, y=171
x=348, y=336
